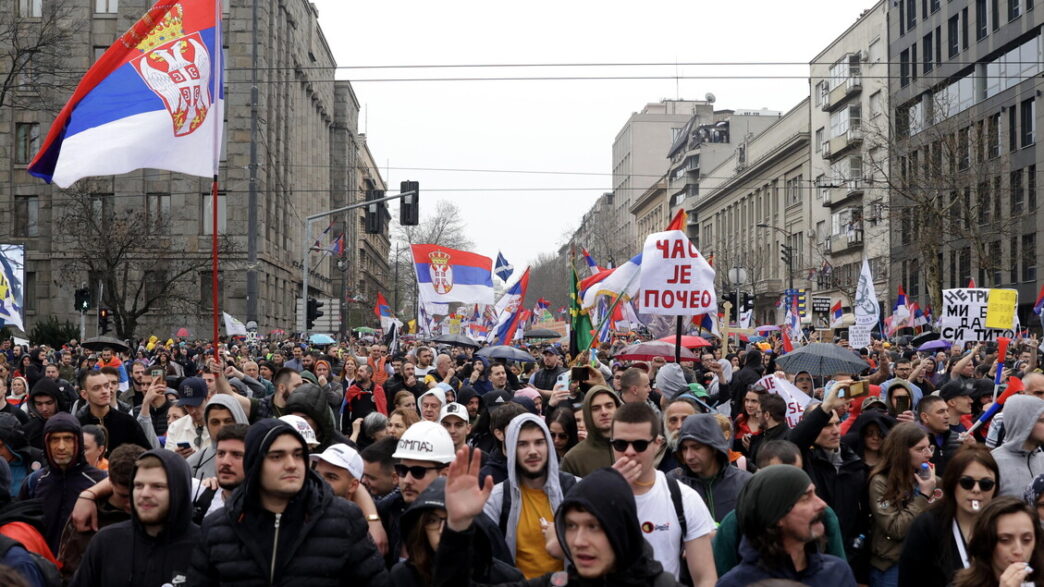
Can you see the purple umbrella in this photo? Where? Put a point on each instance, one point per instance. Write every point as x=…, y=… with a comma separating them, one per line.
x=932, y=345
x=766, y=328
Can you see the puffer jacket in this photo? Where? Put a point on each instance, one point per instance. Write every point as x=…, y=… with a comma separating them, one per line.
x=594, y=451
x=319, y=540
x=1018, y=465
x=720, y=491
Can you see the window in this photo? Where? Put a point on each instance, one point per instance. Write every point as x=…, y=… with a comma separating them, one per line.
x=993, y=136
x=1029, y=257
x=995, y=261
x=904, y=68
x=953, y=40
x=926, y=52
x=208, y=219
x=964, y=261
x=982, y=25
x=1015, y=189
x=938, y=45
x=106, y=6
x=911, y=14
x=157, y=210
x=998, y=207
x=934, y=5
x=875, y=51
x=913, y=61
x=206, y=282
x=1018, y=64
x=915, y=116
x=902, y=17
x=1012, y=130
x=155, y=282
x=29, y=302
x=915, y=279
x=1029, y=121
x=1014, y=259
x=819, y=140
x=27, y=142
x=101, y=206
x=964, y=28
x=995, y=14
x=30, y=8
x=963, y=148
x=1031, y=187
x=27, y=216
x=983, y=202
x=1013, y=9
x=876, y=104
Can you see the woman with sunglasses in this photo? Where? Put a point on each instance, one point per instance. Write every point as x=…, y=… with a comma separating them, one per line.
x=898, y=494
x=562, y=424
x=1005, y=548
x=937, y=545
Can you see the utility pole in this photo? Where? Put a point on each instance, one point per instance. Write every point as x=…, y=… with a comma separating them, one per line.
x=396, y=309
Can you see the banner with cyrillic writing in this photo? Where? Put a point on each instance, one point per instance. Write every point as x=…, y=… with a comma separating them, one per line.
x=795, y=398
x=675, y=278
x=963, y=316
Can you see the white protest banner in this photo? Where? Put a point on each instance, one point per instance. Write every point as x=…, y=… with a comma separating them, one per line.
x=963, y=317
x=675, y=278
x=233, y=327
x=866, y=310
x=795, y=398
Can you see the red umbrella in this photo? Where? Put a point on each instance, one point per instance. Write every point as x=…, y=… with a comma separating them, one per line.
x=647, y=351
x=687, y=341
x=183, y=333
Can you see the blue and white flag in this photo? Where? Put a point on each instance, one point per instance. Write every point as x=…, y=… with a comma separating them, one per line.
x=503, y=268
x=510, y=312
x=12, y=273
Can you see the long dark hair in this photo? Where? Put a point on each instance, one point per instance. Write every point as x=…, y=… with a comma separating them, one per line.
x=984, y=541
x=422, y=556
x=564, y=416
x=965, y=456
x=895, y=463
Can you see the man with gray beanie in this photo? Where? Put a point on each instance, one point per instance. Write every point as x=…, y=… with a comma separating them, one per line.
x=781, y=518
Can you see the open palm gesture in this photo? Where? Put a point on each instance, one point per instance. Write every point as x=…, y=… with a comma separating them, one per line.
x=464, y=496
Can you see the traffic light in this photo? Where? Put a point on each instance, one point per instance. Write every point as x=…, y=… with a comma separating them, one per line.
x=83, y=300
x=787, y=254
x=312, y=312
x=103, y=320
x=374, y=212
x=409, y=207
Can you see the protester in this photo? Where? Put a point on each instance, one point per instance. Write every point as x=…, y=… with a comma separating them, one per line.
x=1020, y=458
x=500, y=417
x=379, y=475
x=562, y=425
x=222, y=410
x=704, y=456
x=594, y=452
x=1005, y=548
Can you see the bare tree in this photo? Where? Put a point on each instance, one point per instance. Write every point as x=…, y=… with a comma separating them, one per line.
x=127, y=249
x=443, y=227
x=35, y=65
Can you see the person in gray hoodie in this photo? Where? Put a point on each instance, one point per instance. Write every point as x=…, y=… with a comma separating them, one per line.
x=703, y=454
x=532, y=466
x=222, y=409
x=1020, y=458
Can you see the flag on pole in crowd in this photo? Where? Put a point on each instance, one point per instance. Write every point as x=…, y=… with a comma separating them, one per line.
x=580, y=322
x=511, y=311
x=679, y=221
x=233, y=327
x=12, y=272
x=153, y=99
x=448, y=275
x=918, y=319
x=1039, y=304
x=971, y=283
x=504, y=269
x=337, y=246
x=835, y=315
x=746, y=318
x=384, y=313
x=592, y=267
x=621, y=281
x=901, y=311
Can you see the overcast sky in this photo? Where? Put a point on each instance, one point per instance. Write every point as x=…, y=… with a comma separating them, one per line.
x=552, y=126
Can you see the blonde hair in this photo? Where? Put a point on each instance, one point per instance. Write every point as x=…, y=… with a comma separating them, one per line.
x=726, y=425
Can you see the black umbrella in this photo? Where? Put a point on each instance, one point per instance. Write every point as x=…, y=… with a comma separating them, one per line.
x=456, y=340
x=822, y=359
x=541, y=333
x=923, y=338
x=508, y=353
x=101, y=342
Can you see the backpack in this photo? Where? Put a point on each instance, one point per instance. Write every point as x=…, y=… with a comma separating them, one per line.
x=52, y=577
x=565, y=480
x=202, y=504
x=679, y=510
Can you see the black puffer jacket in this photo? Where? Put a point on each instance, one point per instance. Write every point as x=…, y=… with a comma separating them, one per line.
x=125, y=554
x=319, y=540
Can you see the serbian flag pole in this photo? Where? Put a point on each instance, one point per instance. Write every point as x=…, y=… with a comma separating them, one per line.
x=153, y=99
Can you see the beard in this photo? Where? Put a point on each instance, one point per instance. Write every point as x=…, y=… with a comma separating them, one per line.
x=672, y=440
x=531, y=474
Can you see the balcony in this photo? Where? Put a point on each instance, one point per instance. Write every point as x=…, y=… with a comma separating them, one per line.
x=838, y=146
x=844, y=193
x=845, y=90
x=852, y=238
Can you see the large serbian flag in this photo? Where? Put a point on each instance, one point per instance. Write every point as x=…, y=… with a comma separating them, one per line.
x=448, y=275
x=153, y=99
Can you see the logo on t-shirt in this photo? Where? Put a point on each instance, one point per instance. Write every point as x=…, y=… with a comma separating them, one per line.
x=649, y=527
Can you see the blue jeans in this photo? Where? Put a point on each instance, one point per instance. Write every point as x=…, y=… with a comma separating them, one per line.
x=886, y=578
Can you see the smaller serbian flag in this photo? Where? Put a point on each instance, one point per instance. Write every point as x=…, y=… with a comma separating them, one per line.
x=153, y=99
x=835, y=315
x=592, y=267
x=447, y=275
x=1039, y=304
x=512, y=315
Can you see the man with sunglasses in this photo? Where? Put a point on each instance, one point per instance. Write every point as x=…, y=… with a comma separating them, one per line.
x=672, y=515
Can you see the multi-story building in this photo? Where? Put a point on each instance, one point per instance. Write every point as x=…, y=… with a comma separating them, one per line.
x=752, y=203
x=307, y=142
x=850, y=131
x=651, y=211
x=638, y=156
x=965, y=78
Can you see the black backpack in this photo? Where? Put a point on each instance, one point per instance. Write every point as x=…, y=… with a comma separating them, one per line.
x=202, y=504
x=52, y=577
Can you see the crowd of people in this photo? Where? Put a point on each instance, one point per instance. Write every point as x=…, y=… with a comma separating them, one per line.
x=426, y=463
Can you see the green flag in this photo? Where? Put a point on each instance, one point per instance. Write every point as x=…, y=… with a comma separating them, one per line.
x=580, y=321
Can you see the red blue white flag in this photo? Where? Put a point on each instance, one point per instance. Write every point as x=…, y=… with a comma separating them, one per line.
x=153, y=99
x=447, y=275
x=1039, y=304
x=511, y=314
x=835, y=315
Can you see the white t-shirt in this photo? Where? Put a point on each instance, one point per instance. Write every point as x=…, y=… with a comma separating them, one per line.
x=659, y=521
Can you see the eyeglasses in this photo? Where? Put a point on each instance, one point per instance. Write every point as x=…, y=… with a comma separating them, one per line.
x=417, y=471
x=560, y=435
x=928, y=450
x=620, y=445
x=985, y=484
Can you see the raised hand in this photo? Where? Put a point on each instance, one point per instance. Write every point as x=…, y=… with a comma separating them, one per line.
x=464, y=496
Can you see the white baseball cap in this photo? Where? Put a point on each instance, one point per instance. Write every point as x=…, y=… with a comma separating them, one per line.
x=454, y=409
x=302, y=427
x=343, y=456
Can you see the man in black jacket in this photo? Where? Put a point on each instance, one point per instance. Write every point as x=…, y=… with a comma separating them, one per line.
x=837, y=471
x=155, y=546
x=283, y=525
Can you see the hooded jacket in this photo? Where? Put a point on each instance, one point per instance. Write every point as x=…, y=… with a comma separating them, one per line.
x=26, y=458
x=823, y=570
x=33, y=428
x=203, y=463
x=484, y=567
x=318, y=541
x=607, y=496
x=1018, y=465
x=57, y=489
x=310, y=399
x=125, y=554
x=552, y=485
x=720, y=491
x=856, y=434
x=594, y=451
